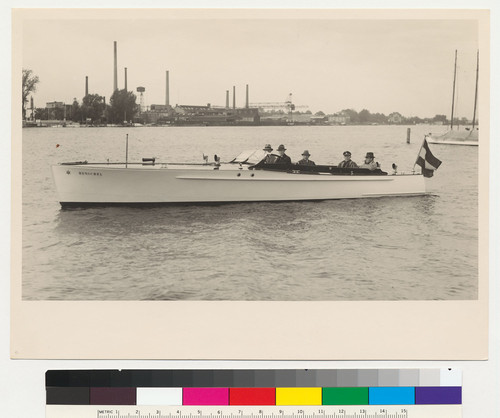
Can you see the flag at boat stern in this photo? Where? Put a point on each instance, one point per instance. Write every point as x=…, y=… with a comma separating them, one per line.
x=426, y=160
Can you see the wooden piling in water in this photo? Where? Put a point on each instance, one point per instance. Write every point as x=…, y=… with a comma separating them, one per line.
x=408, y=134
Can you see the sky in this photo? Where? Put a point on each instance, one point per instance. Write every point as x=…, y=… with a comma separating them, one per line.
x=327, y=64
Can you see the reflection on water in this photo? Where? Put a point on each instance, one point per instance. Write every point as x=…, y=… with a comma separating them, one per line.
x=421, y=247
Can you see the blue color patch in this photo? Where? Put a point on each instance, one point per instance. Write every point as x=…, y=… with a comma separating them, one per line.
x=391, y=396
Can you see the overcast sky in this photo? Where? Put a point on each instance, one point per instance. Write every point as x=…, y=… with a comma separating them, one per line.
x=381, y=65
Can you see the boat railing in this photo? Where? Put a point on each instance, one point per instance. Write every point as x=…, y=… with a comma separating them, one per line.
x=316, y=169
x=152, y=162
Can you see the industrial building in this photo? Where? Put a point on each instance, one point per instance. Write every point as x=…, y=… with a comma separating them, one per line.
x=199, y=115
x=182, y=114
x=207, y=115
x=58, y=111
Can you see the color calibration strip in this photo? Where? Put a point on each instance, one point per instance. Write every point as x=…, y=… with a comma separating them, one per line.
x=244, y=387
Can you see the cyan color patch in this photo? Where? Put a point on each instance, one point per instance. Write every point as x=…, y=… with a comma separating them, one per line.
x=391, y=396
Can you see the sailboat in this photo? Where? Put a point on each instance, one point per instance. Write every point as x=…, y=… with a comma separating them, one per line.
x=469, y=136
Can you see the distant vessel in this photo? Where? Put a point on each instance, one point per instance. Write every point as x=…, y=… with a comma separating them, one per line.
x=469, y=136
x=244, y=179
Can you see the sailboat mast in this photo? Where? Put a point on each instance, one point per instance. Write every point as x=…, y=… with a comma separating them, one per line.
x=475, y=97
x=453, y=95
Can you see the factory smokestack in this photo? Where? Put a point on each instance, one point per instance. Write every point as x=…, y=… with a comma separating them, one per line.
x=125, y=78
x=167, y=93
x=86, y=85
x=115, y=73
x=246, y=100
x=234, y=97
x=227, y=99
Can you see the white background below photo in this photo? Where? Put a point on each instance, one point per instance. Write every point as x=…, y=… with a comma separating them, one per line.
x=22, y=381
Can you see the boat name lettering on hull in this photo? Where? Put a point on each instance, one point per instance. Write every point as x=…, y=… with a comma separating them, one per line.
x=89, y=173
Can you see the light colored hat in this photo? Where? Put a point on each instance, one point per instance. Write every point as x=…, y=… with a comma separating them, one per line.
x=268, y=147
x=306, y=152
x=281, y=148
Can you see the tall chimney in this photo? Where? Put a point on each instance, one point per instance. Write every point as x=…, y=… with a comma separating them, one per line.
x=234, y=97
x=227, y=99
x=246, y=101
x=167, y=93
x=125, y=78
x=86, y=85
x=115, y=73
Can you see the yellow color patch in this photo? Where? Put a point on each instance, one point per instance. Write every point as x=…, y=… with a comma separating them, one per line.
x=298, y=396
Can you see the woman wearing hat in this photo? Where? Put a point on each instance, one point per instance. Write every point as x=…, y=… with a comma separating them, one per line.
x=370, y=163
x=282, y=157
x=347, y=162
x=305, y=159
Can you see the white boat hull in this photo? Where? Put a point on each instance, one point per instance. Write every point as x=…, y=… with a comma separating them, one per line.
x=452, y=142
x=115, y=184
x=469, y=138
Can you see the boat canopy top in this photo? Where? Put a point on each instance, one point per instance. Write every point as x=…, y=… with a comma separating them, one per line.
x=250, y=157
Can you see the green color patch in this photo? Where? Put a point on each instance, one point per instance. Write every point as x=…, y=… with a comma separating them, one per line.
x=345, y=396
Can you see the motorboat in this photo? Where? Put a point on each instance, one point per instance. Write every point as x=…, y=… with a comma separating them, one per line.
x=246, y=178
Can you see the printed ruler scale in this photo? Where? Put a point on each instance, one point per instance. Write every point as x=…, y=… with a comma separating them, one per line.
x=410, y=411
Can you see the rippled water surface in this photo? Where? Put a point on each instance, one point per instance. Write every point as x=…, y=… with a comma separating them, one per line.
x=368, y=249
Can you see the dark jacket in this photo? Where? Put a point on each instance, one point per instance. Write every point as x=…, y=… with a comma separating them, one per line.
x=347, y=164
x=283, y=159
x=305, y=162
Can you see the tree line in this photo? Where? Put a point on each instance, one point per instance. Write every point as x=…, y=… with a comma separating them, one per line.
x=93, y=108
x=122, y=107
x=365, y=117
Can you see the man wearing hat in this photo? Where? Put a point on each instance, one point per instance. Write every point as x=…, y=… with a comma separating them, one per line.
x=370, y=163
x=282, y=157
x=347, y=162
x=305, y=159
x=269, y=158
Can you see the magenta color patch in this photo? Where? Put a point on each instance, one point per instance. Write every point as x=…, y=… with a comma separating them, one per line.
x=205, y=396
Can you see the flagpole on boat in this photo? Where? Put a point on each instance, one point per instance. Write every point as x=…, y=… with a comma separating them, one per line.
x=420, y=149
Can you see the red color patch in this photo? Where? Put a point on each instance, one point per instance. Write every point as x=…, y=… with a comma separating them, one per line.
x=252, y=396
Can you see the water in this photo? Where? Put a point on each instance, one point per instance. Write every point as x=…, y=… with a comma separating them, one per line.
x=406, y=248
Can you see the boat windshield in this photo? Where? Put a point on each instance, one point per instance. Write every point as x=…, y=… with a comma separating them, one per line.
x=250, y=157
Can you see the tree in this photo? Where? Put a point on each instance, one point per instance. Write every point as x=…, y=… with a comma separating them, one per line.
x=57, y=113
x=92, y=107
x=364, y=116
x=379, y=118
x=76, y=111
x=40, y=113
x=353, y=115
x=122, y=106
x=440, y=118
x=30, y=81
x=320, y=113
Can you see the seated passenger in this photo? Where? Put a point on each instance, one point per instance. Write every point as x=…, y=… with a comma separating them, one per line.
x=370, y=162
x=305, y=160
x=347, y=162
x=269, y=158
x=282, y=157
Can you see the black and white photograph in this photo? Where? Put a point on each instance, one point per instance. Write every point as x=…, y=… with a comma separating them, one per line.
x=250, y=159
x=300, y=186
